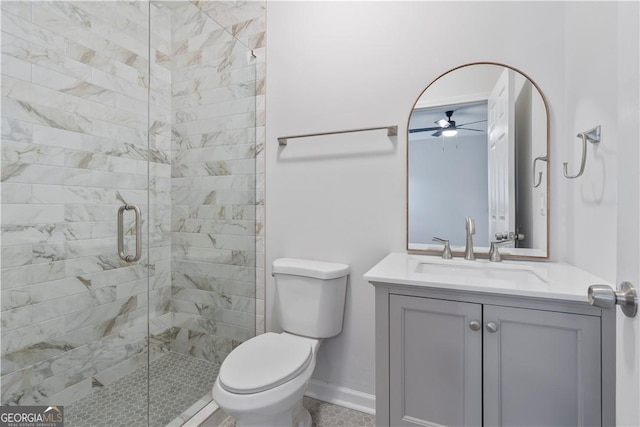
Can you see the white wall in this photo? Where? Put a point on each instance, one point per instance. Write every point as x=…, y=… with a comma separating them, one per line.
x=590, y=101
x=350, y=64
x=602, y=213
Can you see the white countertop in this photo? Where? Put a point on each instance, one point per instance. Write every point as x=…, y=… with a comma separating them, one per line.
x=549, y=280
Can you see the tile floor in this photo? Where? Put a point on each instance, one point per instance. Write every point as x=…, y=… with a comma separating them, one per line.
x=325, y=414
x=176, y=382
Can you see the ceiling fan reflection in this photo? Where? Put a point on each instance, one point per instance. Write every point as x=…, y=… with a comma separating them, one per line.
x=447, y=127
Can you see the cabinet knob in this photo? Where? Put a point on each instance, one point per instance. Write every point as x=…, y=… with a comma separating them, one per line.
x=492, y=327
x=474, y=325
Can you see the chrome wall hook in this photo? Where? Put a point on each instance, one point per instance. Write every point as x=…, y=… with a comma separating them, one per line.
x=536, y=183
x=593, y=136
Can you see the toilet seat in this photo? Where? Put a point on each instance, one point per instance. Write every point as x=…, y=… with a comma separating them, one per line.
x=264, y=362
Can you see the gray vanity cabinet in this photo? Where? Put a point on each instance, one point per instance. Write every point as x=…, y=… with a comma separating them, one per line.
x=462, y=363
x=541, y=368
x=436, y=362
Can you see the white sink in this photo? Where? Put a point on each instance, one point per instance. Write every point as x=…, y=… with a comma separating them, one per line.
x=481, y=269
x=551, y=280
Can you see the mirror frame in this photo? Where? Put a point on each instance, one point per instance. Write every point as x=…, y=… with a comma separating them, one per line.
x=483, y=251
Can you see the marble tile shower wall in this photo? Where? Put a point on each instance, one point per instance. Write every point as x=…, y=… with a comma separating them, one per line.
x=74, y=148
x=216, y=202
x=75, y=89
x=246, y=20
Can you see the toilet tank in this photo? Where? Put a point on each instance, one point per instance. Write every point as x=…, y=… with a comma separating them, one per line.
x=310, y=296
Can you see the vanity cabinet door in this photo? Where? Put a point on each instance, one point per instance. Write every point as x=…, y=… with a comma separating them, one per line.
x=435, y=360
x=541, y=368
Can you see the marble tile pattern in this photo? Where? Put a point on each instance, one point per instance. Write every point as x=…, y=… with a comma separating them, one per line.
x=214, y=179
x=75, y=92
x=176, y=381
x=246, y=20
x=324, y=414
x=85, y=85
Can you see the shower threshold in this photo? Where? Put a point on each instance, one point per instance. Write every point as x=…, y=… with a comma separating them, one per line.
x=179, y=386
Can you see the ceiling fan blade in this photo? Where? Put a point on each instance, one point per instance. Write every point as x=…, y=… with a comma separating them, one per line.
x=424, y=129
x=472, y=123
x=475, y=130
x=437, y=133
x=442, y=123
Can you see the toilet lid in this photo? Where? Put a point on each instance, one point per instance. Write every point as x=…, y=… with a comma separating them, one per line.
x=264, y=362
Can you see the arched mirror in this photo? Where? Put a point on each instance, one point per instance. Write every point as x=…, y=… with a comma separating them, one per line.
x=478, y=146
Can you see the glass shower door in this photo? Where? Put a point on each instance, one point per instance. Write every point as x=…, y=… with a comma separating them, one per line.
x=107, y=108
x=74, y=152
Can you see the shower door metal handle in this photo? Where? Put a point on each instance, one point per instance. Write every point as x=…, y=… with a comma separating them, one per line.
x=136, y=257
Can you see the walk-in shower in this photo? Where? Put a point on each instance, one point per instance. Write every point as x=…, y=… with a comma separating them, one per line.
x=107, y=105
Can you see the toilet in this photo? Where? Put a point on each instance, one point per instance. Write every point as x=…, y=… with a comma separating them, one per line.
x=263, y=380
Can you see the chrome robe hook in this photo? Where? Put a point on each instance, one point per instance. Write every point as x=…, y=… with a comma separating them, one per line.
x=593, y=136
x=536, y=183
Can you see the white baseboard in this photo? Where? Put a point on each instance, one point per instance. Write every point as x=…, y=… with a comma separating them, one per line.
x=342, y=396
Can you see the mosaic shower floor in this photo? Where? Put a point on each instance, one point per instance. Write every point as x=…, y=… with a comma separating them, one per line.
x=176, y=383
x=325, y=414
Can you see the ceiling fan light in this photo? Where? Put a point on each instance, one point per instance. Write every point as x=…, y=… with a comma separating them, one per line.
x=450, y=132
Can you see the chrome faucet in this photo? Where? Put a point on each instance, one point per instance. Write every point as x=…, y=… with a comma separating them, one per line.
x=503, y=239
x=494, y=252
x=471, y=230
x=446, y=253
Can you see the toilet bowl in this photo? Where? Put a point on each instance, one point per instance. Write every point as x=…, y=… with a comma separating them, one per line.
x=255, y=400
x=263, y=380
